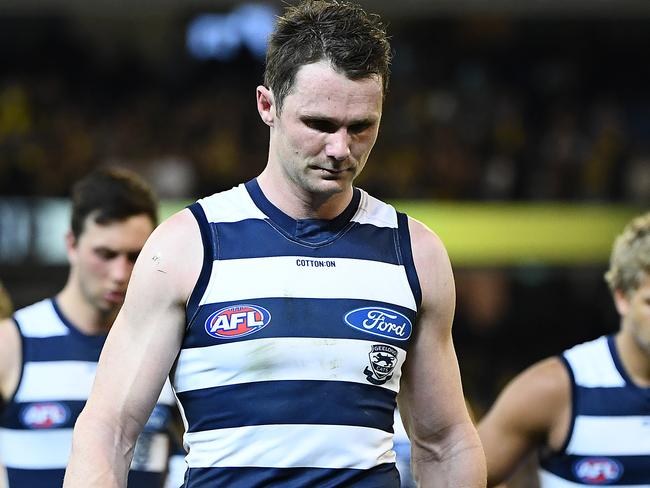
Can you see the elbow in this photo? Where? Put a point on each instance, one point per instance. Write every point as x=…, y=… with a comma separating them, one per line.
x=455, y=450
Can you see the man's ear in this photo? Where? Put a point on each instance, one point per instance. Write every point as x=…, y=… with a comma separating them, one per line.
x=266, y=105
x=621, y=302
x=70, y=246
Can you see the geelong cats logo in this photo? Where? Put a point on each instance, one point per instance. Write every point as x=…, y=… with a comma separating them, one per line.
x=383, y=359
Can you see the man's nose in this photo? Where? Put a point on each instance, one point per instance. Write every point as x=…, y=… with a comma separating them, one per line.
x=121, y=267
x=338, y=145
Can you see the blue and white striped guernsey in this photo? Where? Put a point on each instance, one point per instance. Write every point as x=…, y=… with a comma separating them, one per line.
x=297, y=332
x=59, y=364
x=609, y=437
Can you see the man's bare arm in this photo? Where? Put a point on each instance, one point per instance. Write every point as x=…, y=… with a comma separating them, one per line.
x=10, y=362
x=138, y=354
x=446, y=450
x=532, y=411
x=10, y=359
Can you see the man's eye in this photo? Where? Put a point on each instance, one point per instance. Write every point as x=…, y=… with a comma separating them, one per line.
x=105, y=254
x=133, y=256
x=359, y=128
x=321, y=125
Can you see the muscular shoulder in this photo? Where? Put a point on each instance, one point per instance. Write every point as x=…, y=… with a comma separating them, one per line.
x=426, y=245
x=172, y=256
x=10, y=358
x=433, y=269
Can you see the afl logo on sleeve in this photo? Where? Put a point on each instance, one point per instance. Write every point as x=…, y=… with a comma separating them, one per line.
x=598, y=471
x=44, y=415
x=380, y=321
x=237, y=321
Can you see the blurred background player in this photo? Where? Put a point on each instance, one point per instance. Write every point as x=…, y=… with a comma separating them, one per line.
x=49, y=350
x=587, y=412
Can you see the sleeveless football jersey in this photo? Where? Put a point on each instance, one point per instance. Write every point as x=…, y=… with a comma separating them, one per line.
x=609, y=436
x=58, y=369
x=297, y=332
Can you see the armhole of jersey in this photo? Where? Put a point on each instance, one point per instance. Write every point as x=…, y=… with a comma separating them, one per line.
x=574, y=392
x=406, y=252
x=5, y=402
x=206, y=268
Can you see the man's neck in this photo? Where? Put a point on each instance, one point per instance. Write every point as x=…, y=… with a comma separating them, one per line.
x=299, y=204
x=635, y=359
x=86, y=318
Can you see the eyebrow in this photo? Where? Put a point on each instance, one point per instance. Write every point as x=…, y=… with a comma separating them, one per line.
x=335, y=121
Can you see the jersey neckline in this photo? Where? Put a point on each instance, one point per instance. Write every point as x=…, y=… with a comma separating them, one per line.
x=310, y=231
x=613, y=350
x=93, y=338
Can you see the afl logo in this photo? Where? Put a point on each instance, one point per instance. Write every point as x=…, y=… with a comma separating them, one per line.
x=598, y=471
x=380, y=321
x=44, y=415
x=237, y=321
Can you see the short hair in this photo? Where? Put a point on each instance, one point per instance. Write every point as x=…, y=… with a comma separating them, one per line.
x=352, y=40
x=630, y=257
x=111, y=195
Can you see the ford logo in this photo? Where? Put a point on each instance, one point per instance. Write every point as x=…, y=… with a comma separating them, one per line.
x=380, y=321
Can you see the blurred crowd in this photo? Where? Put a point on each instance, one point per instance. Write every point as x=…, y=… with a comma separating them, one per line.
x=476, y=110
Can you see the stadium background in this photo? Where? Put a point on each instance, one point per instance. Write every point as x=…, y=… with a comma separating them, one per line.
x=518, y=130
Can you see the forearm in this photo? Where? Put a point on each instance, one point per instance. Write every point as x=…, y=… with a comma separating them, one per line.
x=100, y=456
x=456, y=459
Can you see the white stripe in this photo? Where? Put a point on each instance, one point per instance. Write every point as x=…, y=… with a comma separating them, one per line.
x=151, y=452
x=233, y=205
x=56, y=380
x=375, y=212
x=167, y=396
x=290, y=446
x=35, y=449
x=40, y=320
x=549, y=480
x=240, y=280
x=278, y=359
x=610, y=436
x=593, y=366
x=176, y=471
x=50, y=449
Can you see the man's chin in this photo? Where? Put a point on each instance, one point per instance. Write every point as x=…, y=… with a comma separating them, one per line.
x=109, y=307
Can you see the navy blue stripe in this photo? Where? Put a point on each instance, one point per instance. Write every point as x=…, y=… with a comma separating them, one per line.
x=634, y=468
x=406, y=252
x=35, y=478
x=145, y=479
x=361, y=241
x=63, y=348
x=299, y=317
x=289, y=402
x=610, y=401
x=208, y=256
x=15, y=415
x=382, y=476
x=51, y=478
